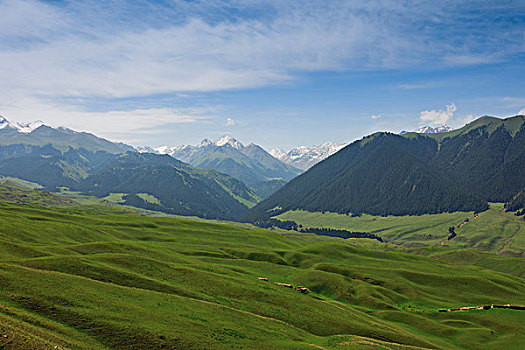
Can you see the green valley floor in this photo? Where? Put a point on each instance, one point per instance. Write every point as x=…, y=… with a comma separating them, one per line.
x=93, y=277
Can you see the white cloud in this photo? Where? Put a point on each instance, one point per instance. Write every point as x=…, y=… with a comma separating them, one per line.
x=117, y=125
x=376, y=116
x=89, y=53
x=229, y=122
x=522, y=112
x=437, y=118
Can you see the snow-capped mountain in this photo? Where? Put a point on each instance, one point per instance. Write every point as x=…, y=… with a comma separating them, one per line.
x=228, y=140
x=250, y=164
x=177, y=151
x=431, y=130
x=277, y=153
x=146, y=149
x=23, y=128
x=305, y=157
x=39, y=134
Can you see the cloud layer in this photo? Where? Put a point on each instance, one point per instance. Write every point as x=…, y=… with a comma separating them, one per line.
x=437, y=118
x=84, y=50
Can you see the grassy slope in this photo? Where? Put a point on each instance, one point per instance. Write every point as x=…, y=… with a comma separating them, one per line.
x=494, y=230
x=83, y=277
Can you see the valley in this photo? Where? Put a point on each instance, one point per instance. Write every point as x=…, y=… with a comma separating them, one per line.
x=109, y=249
x=102, y=278
x=494, y=230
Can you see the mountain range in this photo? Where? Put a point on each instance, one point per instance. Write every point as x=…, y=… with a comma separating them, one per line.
x=38, y=134
x=305, y=157
x=412, y=174
x=251, y=164
x=60, y=157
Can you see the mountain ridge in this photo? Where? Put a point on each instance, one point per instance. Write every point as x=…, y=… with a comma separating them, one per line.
x=303, y=157
x=251, y=164
x=411, y=174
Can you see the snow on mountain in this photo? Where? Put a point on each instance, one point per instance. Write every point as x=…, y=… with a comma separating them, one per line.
x=145, y=149
x=23, y=128
x=305, y=157
x=186, y=149
x=228, y=140
x=431, y=130
x=277, y=153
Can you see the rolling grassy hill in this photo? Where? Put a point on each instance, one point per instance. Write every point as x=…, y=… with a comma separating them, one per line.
x=86, y=278
x=494, y=230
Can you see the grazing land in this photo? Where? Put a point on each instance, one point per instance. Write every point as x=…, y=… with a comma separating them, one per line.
x=493, y=230
x=95, y=277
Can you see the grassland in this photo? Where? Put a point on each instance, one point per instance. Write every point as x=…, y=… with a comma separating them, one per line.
x=91, y=277
x=492, y=231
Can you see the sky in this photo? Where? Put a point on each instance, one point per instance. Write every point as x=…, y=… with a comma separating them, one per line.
x=273, y=72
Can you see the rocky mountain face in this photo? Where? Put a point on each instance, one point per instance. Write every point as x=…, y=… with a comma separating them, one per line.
x=431, y=130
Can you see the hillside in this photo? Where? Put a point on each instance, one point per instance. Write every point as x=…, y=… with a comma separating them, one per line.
x=11, y=192
x=494, y=230
x=58, y=158
x=412, y=174
x=78, y=278
x=174, y=187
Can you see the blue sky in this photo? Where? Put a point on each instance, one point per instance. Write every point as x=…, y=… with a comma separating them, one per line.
x=277, y=73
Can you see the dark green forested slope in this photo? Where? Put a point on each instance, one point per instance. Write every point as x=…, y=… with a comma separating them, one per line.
x=49, y=166
x=385, y=174
x=180, y=188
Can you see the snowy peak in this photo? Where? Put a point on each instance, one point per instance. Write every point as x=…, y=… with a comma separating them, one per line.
x=147, y=149
x=277, y=153
x=173, y=150
x=305, y=157
x=204, y=143
x=23, y=128
x=431, y=130
x=228, y=140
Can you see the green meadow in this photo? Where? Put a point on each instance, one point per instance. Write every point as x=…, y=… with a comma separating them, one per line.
x=95, y=277
x=493, y=230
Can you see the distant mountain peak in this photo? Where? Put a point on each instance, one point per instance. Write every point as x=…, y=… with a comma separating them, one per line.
x=204, y=143
x=303, y=157
x=431, y=130
x=23, y=128
x=228, y=140
x=277, y=153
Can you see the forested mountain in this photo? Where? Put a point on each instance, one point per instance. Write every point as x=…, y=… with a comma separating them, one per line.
x=174, y=187
x=411, y=174
x=59, y=157
x=48, y=166
x=250, y=164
